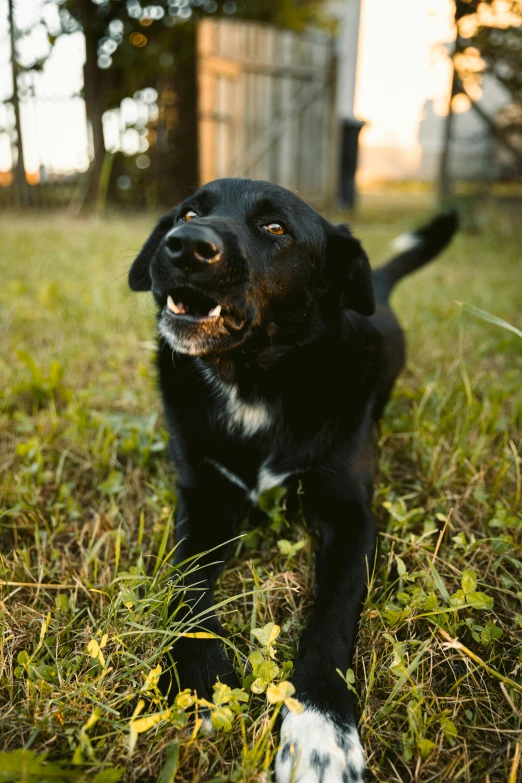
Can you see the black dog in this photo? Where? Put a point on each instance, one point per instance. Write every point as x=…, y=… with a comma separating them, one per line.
x=275, y=362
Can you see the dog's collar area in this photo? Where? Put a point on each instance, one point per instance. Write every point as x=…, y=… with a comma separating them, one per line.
x=192, y=304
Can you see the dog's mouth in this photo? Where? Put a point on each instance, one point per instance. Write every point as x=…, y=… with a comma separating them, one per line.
x=191, y=305
x=195, y=323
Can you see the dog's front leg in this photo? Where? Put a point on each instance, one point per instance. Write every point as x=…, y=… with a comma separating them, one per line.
x=207, y=517
x=321, y=745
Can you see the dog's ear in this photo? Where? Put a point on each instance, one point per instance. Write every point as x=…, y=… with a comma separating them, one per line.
x=139, y=274
x=348, y=272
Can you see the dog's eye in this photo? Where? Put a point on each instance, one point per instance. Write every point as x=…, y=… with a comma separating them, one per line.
x=275, y=228
x=190, y=215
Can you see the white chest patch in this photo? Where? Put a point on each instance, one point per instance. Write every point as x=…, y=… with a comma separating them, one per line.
x=250, y=417
x=315, y=749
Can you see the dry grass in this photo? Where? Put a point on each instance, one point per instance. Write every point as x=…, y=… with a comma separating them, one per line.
x=86, y=518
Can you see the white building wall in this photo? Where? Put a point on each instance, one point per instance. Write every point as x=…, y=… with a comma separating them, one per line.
x=348, y=14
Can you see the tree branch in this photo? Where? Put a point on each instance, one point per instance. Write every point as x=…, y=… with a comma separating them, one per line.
x=495, y=131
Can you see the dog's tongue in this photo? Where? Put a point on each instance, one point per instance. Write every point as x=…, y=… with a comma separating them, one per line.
x=176, y=308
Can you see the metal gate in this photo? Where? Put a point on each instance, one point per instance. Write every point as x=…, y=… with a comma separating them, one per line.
x=267, y=107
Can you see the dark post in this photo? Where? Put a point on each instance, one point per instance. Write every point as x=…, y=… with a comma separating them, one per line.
x=350, y=129
x=445, y=181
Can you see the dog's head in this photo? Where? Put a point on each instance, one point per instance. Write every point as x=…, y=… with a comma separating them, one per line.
x=244, y=259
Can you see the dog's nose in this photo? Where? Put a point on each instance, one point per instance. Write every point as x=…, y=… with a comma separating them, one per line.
x=188, y=245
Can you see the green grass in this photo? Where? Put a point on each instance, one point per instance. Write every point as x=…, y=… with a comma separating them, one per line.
x=87, y=503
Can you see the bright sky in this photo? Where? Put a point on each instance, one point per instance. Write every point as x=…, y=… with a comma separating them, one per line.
x=61, y=139
x=401, y=65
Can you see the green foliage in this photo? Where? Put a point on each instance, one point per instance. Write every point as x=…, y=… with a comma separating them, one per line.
x=272, y=503
x=170, y=768
x=25, y=766
x=43, y=386
x=267, y=677
x=489, y=317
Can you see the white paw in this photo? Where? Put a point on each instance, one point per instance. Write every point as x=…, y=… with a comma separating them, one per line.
x=205, y=729
x=316, y=749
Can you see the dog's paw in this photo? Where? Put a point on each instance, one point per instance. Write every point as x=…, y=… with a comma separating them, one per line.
x=316, y=749
x=199, y=664
x=205, y=728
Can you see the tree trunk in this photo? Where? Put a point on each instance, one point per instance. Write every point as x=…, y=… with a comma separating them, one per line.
x=445, y=180
x=95, y=93
x=20, y=182
x=179, y=163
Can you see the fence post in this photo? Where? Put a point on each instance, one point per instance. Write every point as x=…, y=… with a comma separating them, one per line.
x=333, y=130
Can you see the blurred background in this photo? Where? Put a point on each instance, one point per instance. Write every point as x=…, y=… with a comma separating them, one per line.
x=133, y=104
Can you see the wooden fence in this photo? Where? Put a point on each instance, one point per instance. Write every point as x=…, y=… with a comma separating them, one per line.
x=266, y=110
x=267, y=107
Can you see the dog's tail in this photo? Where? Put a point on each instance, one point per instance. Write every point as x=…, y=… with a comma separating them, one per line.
x=414, y=251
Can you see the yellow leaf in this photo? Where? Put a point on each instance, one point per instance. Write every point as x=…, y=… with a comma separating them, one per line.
x=45, y=625
x=273, y=632
x=259, y=685
x=133, y=738
x=267, y=634
x=276, y=693
x=93, y=648
x=139, y=706
x=77, y=758
x=200, y=635
x=104, y=640
x=294, y=705
x=144, y=724
x=184, y=699
x=222, y=718
x=152, y=679
x=221, y=693
x=95, y=716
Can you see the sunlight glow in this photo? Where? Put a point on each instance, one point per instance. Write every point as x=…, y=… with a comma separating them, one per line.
x=403, y=62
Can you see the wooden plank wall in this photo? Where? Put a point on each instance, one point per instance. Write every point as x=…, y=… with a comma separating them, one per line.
x=267, y=107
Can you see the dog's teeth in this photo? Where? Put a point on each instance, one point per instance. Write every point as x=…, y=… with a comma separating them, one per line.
x=215, y=312
x=175, y=308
